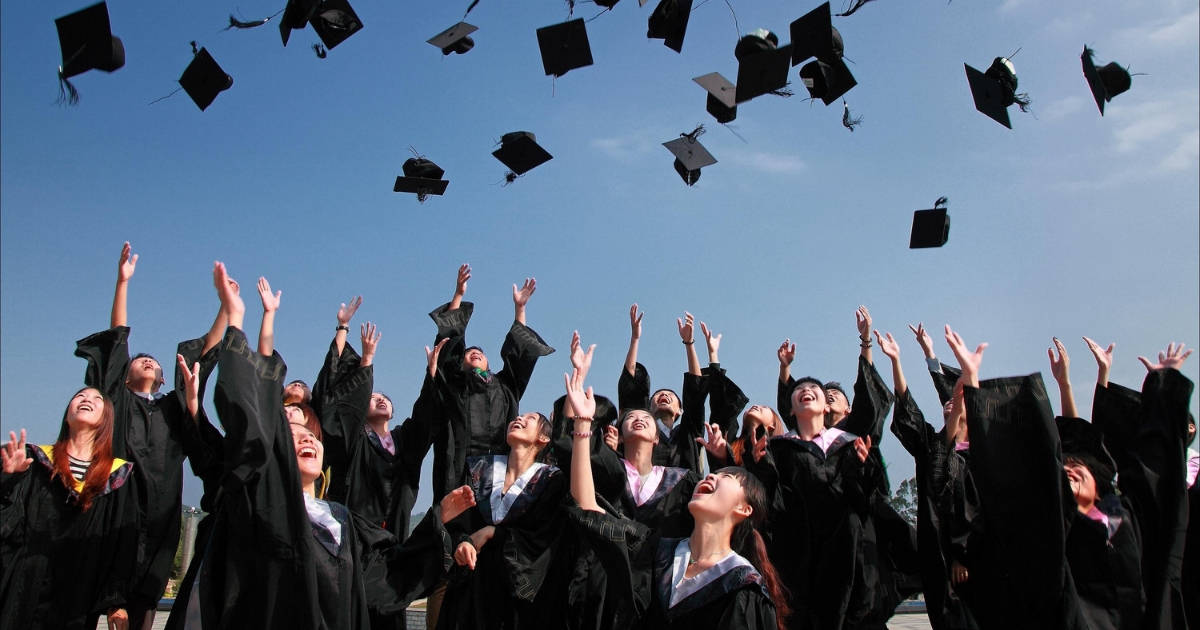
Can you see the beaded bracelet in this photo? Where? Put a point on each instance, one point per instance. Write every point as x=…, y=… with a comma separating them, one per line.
x=582, y=434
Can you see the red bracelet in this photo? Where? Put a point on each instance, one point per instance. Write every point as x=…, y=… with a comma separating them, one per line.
x=582, y=434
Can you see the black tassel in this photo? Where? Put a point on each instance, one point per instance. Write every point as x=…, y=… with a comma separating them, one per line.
x=195, y=51
x=509, y=178
x=695, y=133
x=236, y=23
x=848, y=121
x=857, y=4
x=1022, y=100
x=785, y=92
x=320, y=50
x=67, y=94
x=472, y=6
x=941, y=202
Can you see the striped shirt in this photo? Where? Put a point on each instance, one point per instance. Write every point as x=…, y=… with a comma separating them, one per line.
x=79, y=467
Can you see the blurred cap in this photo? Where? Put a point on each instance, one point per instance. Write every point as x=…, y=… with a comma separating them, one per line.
x=722, y=102
x=1106, y=81
x=690, y=156
x=930, y=228
x=87, y=42
x=827, y=81
x=813, y=35
x=564, y=47
x=422, y=177
x=203, y=79
x=335, y=21
x=991, y=98
x=455, y=39
x=762, y=72
x=519, y=151
x=669, y=22
x=296, y=14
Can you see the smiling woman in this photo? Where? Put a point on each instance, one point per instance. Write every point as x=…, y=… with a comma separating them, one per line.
x=68, y=526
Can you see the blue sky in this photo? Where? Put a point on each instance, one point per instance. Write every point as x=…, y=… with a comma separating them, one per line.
x=1069, y=224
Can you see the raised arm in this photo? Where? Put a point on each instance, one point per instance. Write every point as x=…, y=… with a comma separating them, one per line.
x=220, y=322
x=270, y=304
x=344, y=315
x=891, y=349
x=370, y=343
x=191, y=379
x=713, y=342
x=1060, y=367
x=582, y=401
x=521, y=298
x=687, y=334
x=862, y=318
x=460, y=287
x=635, y=334
x=967, y=360
x=1103, y=360
x=943, y=381
x=786, y=354
x=125, y=269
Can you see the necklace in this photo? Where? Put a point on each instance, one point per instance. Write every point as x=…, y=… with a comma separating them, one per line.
x=695, y=560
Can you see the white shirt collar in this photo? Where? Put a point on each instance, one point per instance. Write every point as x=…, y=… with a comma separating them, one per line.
x=320, y=514
x=682, y=586
x=502, y=501
x=642, y=487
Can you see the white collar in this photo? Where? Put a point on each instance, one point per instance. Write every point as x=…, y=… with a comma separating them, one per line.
x=642, y=487
x=502, y=501
x=320, y=514
x=682, y=587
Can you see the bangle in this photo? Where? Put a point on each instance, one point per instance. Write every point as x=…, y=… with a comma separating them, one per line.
x=688, y=343
x=866, y=343
x=582, y=434
x=581, y=418
x=342, y=327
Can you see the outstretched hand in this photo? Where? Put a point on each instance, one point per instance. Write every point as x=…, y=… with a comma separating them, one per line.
x=464, y=274
x=456, y=502
x=1173, y=358
x=346, y=312
x=370, y=335
x=967, y=360
x=127, y=264
x=923, y=338
x=635, y=322
x=888, y=346
x=1060, y=366
x=713, y=441
x=582, y=401
x=1103, y=360
x=521, y=296
x=13, y=456
x=612, y=437
x=713, y=341
x=431, y=356
x=862, y=318
x=786, y=352
x=862, y=448
x=581, y=360
x=270, y=301
x=228, y=292
x=687, y=327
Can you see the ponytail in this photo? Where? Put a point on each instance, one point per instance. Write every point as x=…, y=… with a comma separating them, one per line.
x=748, y=542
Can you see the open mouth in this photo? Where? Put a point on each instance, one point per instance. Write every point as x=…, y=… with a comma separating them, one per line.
x=705, y=487
x=307, y=452
x=86, y=406
x=808, y=397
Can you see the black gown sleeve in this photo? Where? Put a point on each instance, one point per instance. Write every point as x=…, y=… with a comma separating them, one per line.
x=909, y=426
x=107, y=356
x=202, y=442
x=520, y=352
x=633, y=390
x=691, y=423
x=944, y=382
x=452, y=325
x=872, y=401
x=395, y=573
x=625, y=550
x=726, y=400
x=413, y=441
x=783, y=399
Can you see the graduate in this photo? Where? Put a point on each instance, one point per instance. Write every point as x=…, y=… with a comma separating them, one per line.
x=679, y=422
x=68, y=524
x=506, y=546
x=155, y=431
x=946, y=502
x=276, y=556
x=718, y=577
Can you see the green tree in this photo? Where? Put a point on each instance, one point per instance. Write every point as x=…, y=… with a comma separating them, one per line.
x=904, y=500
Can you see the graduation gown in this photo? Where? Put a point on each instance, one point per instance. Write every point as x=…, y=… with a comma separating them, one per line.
x=1146, y=435
x=61, y=567
x=665, y=510
x=155, y=435
x=477, y=408
x=263, y=562
x=872, y=401
x=941, y=522
x=519, y=578
x=678, y=449
x=638, y=562
x=1105, y=563
x=820, y=505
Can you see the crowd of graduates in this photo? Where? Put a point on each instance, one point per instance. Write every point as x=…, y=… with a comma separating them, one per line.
x=661, y=509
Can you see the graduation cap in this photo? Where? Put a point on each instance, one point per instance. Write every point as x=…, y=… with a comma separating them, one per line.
x=813, y=35
x=519, y=151
x=1106, y=81
x=87, y=43
x=722, y=102
x=930, y=228
x=421, y=176
x=1083, y=441
x=690, y=155
x=296, y=14
x=335, y=21
x=564, y=47
x=455, y=39
x=203, y=79
x=995, y=90
x=762, y=66
x=668, y=22
x=827, y=81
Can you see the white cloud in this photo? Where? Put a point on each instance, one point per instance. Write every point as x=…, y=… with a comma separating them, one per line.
x=763, y=162
x=1185, y=155
x=1163, y=33
x=1063, y=107
x=622, y=147
x=1011, y=5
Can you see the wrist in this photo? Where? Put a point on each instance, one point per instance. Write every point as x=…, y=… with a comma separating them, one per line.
x=688, y=343
x=342, y=327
